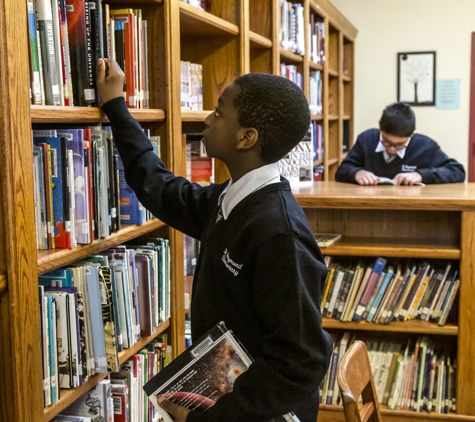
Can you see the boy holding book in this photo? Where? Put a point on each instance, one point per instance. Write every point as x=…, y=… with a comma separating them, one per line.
x=396, y=152
x=259, y=269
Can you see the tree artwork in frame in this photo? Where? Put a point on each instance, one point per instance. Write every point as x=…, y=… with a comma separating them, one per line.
x=416, y=78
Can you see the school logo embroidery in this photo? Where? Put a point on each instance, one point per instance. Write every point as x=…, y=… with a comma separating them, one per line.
x=405, y=168
x=232, y=266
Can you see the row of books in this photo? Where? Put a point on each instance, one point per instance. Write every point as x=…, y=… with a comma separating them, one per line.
x=120, y=397
x=98, y=306
x=315, y=92
x=412, y=375
x=79, y=187
x=317, y=40
x=292, y=32
x=66, y=37
x=290, y=71
x=382, y=291
x=199, y=166
x=191, y=85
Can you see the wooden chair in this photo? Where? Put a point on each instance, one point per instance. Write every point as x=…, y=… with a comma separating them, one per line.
x=354, y=379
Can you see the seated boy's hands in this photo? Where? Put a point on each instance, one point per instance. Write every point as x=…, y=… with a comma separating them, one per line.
x=408, y=178
x=179, y=412
x=110, y=80
x=366, y=178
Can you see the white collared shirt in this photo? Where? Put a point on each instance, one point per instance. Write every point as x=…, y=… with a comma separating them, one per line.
x=250, y=182
x=380, y=148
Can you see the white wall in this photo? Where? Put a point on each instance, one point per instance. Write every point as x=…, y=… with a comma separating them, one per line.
x=386, y=27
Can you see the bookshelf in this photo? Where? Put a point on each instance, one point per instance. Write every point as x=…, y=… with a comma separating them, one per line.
x=436, y=221
x=237, y=37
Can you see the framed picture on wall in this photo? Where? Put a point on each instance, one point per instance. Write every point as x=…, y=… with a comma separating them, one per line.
x=416, y=78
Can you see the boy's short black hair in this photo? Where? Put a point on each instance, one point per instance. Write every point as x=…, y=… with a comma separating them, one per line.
x=398, y=119
x=277, y=108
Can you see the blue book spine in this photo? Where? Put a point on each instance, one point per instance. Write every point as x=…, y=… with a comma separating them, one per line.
x=369, y=288
x=75, y=143
x=380, y=294
x=52, y=339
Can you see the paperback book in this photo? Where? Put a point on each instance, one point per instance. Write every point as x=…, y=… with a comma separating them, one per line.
x=203, y=373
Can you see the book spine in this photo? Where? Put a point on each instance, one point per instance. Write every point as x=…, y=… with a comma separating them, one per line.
x=76, y=19
x=47, y=41
x=34, y=60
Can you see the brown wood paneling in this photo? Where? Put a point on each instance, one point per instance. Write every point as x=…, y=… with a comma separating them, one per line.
x=466, y=339
x=21, y=395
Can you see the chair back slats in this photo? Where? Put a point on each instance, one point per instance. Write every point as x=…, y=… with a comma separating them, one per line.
x=355, y=379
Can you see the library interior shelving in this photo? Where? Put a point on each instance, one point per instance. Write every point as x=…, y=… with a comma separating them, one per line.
x=237, y=37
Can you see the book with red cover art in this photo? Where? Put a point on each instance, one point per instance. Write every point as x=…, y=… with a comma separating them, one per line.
x=81, y=71
x=203, y=373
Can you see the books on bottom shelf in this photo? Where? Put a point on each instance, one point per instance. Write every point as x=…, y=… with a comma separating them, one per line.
x=209, y=366
x=417, y=375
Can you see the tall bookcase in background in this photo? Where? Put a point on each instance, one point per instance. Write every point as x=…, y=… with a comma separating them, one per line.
x=237, y=37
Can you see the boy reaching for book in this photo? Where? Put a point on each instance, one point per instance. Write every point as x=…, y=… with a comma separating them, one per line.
x=259, y=269
x=395, y=153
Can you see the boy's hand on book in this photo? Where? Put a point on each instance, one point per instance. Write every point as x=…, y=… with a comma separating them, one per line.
x=110, y=80
x=179, y=412
x=409, y=178
x=366, y=178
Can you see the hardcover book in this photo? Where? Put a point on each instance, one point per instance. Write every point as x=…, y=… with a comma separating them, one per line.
x=209, y=366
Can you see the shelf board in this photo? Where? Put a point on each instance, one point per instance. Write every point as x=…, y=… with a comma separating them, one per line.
x=333, y=72
x=68, y=396
x=343, y=155
x=259, y=41
x=315, y=66
x=57, y=114
x=198, y=23
x=195, y=115
x=318, y=162
x=317, y=117
x=403, y=248
x=286, y=55
x=346, y=117
x=332, y=161
x=449, y=197
x=346, y=78
x=414, y=327
x=334, y=413
x=51, y=259
x=332, y=117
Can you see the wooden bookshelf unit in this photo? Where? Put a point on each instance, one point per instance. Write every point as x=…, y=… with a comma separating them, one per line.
x=435, y=221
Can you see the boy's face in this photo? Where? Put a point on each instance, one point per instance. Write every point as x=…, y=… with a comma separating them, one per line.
x=223, y=130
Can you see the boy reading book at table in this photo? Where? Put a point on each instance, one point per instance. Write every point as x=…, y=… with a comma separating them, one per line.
x=395, y=152
x=259, y=269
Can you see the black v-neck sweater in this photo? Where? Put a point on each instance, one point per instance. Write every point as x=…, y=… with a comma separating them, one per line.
x=260, y=271
x=422, y=155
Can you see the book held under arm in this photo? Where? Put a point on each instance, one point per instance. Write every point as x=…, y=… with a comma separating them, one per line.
x=203, y=373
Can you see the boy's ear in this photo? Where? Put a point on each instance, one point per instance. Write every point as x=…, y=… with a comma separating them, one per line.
x=247, y=138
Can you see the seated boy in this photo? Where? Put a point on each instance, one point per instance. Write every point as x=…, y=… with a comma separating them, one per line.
x=259, y=269
x=396, y=152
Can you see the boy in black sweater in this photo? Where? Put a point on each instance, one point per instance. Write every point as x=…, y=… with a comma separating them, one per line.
x=259, y=269
x=396, y=152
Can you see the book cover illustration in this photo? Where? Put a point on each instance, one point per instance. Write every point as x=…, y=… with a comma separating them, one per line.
x=203, y=373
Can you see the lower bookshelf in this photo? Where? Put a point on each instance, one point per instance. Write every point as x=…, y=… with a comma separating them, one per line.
x=69, y=396
x=330, y=413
